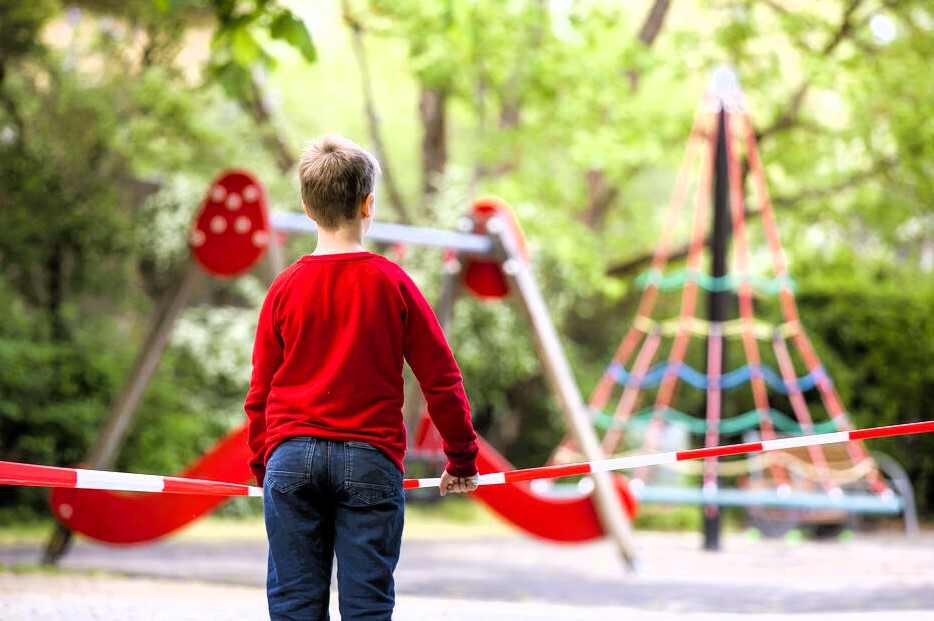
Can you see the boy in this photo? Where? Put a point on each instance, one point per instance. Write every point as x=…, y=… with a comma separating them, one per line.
x=326, y=432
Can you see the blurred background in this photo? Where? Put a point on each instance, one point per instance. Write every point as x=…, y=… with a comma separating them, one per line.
x=116, y=115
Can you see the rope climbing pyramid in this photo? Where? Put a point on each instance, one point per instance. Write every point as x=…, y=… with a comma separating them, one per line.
x=668, y=370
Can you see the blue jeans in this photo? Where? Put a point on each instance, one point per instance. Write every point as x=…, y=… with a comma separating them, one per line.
x=323, y=498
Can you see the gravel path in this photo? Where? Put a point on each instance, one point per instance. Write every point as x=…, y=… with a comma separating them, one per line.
x=503, y=577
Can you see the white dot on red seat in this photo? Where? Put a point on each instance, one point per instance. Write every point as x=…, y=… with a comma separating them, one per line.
x=218, y=193
x=260, y=239
x=233, y=202
x=218, y=224
x=65, y=510
x=197, y=238
x=250, y=193
x=243, y=225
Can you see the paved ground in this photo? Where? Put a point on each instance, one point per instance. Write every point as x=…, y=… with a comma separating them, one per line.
x=504, y=576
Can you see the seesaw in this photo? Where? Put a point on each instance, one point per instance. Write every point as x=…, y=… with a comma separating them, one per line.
x=231, y=232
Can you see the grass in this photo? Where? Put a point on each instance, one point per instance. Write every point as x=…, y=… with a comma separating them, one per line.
x=50, y=570
x=449, y=517
x=28, y=532
x=214, y=528
x=454, y=517
x=668, y=518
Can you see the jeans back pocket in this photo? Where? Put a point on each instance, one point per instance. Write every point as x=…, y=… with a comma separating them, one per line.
x=371, y=476
x=287, y=468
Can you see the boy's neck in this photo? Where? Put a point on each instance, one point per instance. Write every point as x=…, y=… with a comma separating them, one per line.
x=341, y=240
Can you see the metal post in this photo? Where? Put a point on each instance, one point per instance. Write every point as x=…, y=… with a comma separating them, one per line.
x=607, y=502
x=276, y=255
x=450, y=287
x=124, y=408
x=718, y=301
x=394, y=233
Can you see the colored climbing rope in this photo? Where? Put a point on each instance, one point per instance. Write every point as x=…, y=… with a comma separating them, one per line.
x=733, y=425
x=646, y=373
x=745, y=291
x=728, y=381
x=688, y=311
x=729, y=282
x=762, y=330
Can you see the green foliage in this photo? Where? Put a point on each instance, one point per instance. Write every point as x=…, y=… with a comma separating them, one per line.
x=80, y=150
x=240, y=42
x=183, y=414
x=54, y=395
x=286, y=27
x=50, y=391
x=883, y=342
x=511, y=404
x=20, y=23
x=63, y=226
x=669, y=518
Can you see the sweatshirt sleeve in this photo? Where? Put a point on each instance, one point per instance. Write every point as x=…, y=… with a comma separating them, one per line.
x=267, y=358
x=439, y=377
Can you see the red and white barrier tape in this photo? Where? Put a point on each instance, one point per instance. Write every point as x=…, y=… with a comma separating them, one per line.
x=12, y=473
x=656, y=459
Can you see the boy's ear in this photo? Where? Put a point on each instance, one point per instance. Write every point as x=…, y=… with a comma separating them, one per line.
x=308, y=212
x=366, y=207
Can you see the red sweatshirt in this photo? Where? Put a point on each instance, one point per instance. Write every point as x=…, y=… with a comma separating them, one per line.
x=327, y=361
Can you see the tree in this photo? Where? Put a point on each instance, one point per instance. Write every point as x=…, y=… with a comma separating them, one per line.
x=92, y=129
x=579, y=116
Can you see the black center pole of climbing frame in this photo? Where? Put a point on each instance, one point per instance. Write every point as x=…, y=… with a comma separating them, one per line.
x=718, y=301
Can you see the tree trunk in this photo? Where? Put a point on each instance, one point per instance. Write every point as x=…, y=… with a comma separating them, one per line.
x=431, y=108
x=396, y=203
x=258, y=108
x=654, y=21
x=601, y=195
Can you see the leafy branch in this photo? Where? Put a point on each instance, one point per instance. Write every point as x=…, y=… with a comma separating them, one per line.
x=624, y=268
x=791, y=115
x=239, y=59
x=600, y=192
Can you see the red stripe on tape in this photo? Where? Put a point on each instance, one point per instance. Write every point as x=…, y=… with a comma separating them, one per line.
x=546, y=472
x=892, y=430
x=177, y=485
x=42, y=476
x=410, y=484
x=719, y=451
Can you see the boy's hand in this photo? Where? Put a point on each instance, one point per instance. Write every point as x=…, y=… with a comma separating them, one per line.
x=458, y=485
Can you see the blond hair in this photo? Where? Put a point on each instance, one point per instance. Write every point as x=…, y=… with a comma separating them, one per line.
x=336, y=175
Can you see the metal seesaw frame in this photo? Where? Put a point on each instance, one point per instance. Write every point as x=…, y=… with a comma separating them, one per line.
x=500, y=245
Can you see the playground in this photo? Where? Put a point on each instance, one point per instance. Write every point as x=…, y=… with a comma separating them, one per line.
x=571, y=567
x=702, y=390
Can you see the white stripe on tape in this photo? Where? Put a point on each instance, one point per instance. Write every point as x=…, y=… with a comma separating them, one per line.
x=119, y=481
x=494, y=478
x=633, y=461
x=823, y=438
